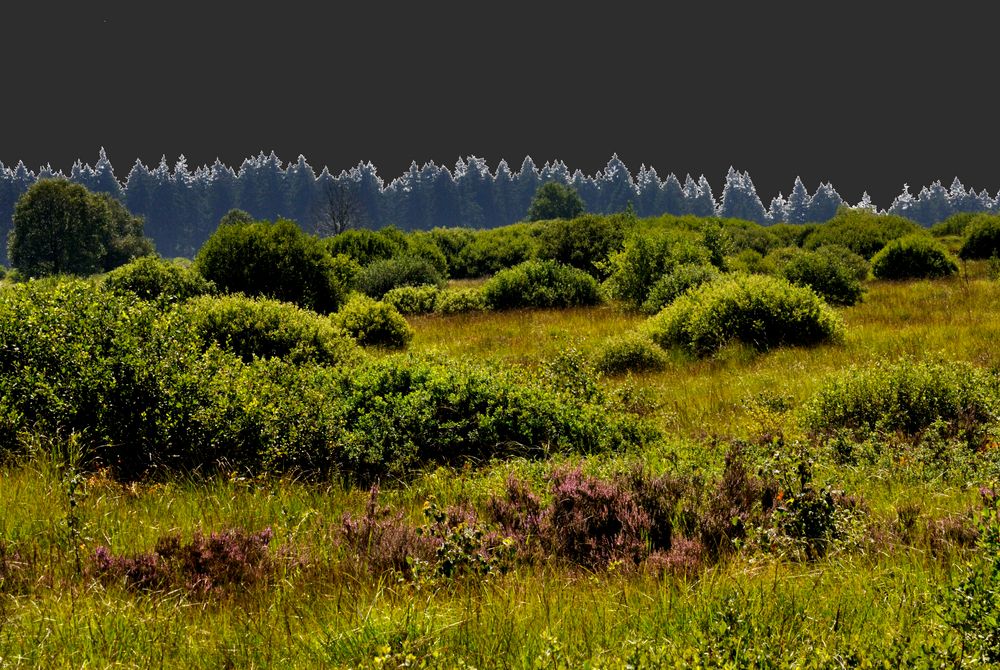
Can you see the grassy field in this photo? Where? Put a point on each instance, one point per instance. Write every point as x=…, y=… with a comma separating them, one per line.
x=874, y=597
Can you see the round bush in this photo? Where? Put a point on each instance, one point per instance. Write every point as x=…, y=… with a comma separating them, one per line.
x=907, y=397
x=537, y=283
x=274, y=260
x=158, y=279
x=364, y=246
x=629, y=353
x=382, y=276
x=862, y=232
x=858, y=266
x=834, y=281
x=674, y=283
x=459, y=302
x=261, y=328
x=956, y=224
x=913, y=257
x=374, y=323
x=758, y=310
x=983, y=238
x=413, y=299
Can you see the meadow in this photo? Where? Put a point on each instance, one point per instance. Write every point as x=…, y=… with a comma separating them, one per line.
x=747, y=507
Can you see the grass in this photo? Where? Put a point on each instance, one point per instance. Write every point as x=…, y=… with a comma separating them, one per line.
x=755, y=608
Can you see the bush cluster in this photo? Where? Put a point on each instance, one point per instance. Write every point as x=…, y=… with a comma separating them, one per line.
x=541, y=284
x=158, y=279
x=629, y=353
x=460, y=301
x=674, y=283
x=757, y=310
x=825, y=271
x=908, y=397
x=916, y=256
x=380, y=277
x=862, y=232
x=273, y=260
x=413, y=299
x=983, y=237
x=262, y=328
x=374, y=323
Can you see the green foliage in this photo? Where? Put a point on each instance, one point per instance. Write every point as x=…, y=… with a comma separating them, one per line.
x=493, y=250
x=380, y=277
x=858, y=266
x=791, y=234
x=262, y=328
x=537, y=283
x=907, y=397
x=553, y=200
x=862, y=232
x=235, y=216
x=403, y=411
x=971, y=607
x=675, y=282
x=364, y=246
x=835, y=281
x=913, y=257
x=648, y=257
x=422, y=244
x=158, y=279
x=629, y=353
x=413, y=299
x=983, y=238
x=451, y=242
x=374, y=323
x=346, y=271
x=757, y=310
x=956, y=224
x=585, y=242
x=460, y=301
x=62, y=228
x=274, y=260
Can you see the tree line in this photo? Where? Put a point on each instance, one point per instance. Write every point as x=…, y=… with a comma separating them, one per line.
x=182, y=205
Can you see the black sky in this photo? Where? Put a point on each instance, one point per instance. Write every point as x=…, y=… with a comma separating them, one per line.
x=850, y=96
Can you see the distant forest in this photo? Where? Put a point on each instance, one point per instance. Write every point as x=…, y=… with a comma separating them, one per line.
x=182, y=206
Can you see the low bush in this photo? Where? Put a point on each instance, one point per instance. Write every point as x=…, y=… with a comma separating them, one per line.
x=273, y=260
x=158, y=279
x=585, y=242
x=956, y=224
x=913, y=257
x=858, y=266
x=541, y=284
x=262, y=328
x=834, y=281
x=673, y=284
x=231, y=559
x=908, y=397
x=757, y=310
x=983, y=237
x=382, y=276
x=861, y=231
x=364, y=246
x=413, y=299
x=493, y=250
x=646, y=258
x=374, y=323
x=629, y=353
x=460, y=301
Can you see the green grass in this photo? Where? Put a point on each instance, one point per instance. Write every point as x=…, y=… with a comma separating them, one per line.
x=754, y=609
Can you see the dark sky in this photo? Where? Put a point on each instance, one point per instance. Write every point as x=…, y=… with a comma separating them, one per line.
x=850, y=96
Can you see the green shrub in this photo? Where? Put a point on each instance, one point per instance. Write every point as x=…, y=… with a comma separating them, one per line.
x=983, y=238
x=494, y=250
x=541, y=284
x=451, y=241
x=671, y=285
x=413, y=299
x=858, y=266
x=158, y=279
x=834, y=281
x=907, y=397
x=956, y=224
x=274, y=260
x=748, y=261
x=585, y=242
x=374, y=323
x=382, y=276
x=422, y=244
x=261, y=328
x=460, y=301
x=913, y=257
x=629, y=353
x=648, y=257
x=757, y=310
x=345, y=271
x=3, y=272
x=862, y=232
x=364, y=246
